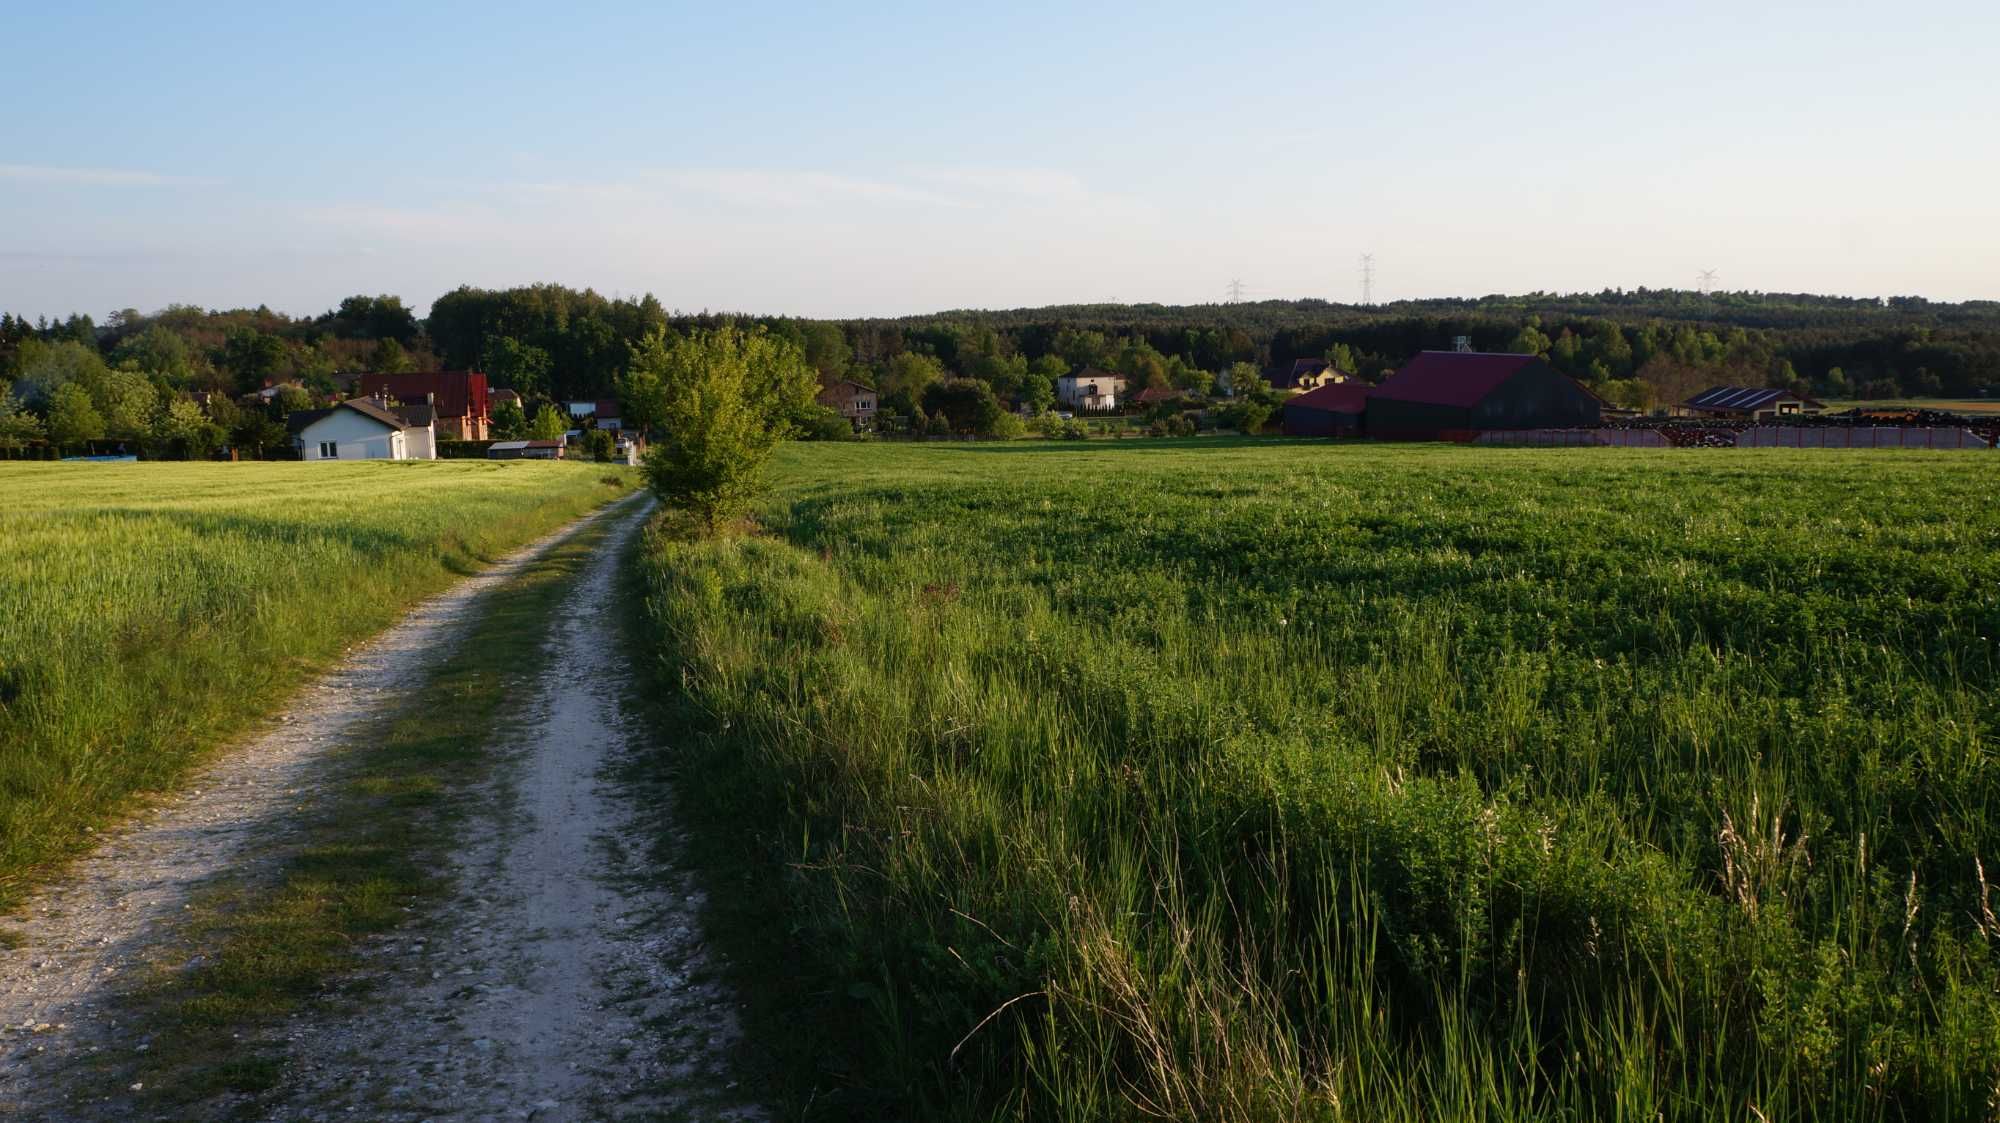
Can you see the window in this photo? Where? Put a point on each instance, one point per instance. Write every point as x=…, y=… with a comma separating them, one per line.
x=329, y=450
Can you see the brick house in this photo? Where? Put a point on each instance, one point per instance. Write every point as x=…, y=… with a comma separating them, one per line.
x=855, y=402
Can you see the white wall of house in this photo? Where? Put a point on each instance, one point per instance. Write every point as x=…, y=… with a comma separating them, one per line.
x=1089, y=393
x=352, y=436
x=420, y=442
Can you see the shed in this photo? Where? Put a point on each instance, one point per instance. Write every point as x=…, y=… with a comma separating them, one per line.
x=1451, y=395
x=1336, y=409
x=524, y=450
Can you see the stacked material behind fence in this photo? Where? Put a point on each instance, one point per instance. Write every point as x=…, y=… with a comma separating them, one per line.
x=1621, y=438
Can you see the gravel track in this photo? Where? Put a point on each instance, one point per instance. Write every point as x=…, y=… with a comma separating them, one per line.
x=565, y=982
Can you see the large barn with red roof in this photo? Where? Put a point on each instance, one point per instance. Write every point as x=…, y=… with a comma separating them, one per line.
x=1450, y=395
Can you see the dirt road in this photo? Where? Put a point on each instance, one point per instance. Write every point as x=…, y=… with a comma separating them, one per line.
x=566, y=981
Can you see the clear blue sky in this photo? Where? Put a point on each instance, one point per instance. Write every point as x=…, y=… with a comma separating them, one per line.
x=845, y=159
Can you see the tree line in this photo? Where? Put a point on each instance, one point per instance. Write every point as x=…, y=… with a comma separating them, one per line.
x=146, y=375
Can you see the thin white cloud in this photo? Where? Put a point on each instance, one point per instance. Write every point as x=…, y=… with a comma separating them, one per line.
x=806, y=189
x=793, y=189
x=95, y=177
x=1046, y=184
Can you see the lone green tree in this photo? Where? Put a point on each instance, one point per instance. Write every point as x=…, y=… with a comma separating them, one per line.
x=727, y=400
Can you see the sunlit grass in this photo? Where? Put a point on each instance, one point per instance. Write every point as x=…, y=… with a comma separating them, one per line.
x=147, y=610
x=1269, y=780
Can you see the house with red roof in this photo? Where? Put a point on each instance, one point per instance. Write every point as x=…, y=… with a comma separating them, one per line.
x=1451, y=395
x=459, y=397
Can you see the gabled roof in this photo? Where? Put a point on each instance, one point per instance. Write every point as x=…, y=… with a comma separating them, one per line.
x=370, y=408
x=366, y=407
x=1286, y=378
x=1152, y=394
x=1743, y=397
x=1334, y=397
x=844, y=387
x=298, y=419
x=1093, y=372
x=1451, y=378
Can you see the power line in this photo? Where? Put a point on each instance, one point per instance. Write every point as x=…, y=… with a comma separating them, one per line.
x=1235, y=290
x=1367, y=279
x=1707, y=281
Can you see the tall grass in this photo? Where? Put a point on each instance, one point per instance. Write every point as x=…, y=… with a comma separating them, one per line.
x=147, y=610
x=1294, y=781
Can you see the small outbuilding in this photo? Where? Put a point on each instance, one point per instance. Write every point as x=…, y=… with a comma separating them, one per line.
x=525, y=450
x=1453, y=395
x=1747, y=403
x=1337, y=409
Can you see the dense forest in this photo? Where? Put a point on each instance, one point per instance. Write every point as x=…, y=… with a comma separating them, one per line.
x=164, y=372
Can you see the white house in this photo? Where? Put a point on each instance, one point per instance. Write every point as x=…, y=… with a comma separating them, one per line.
x=366, y=429
x=1090, y=389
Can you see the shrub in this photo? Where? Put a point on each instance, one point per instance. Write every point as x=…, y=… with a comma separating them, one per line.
x=725, y=396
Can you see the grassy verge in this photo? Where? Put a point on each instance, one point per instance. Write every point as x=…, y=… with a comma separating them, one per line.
x=1289, y=781
x=363, y=866
x=150, y=611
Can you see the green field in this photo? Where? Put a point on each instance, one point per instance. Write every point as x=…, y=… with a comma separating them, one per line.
x=148, y=610
x=1949, y=405
x=1275, y=780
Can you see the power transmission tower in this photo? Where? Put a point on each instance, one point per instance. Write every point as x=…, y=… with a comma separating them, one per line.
x=1707, y=281
x=1235, y=290
x=1367, y=279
